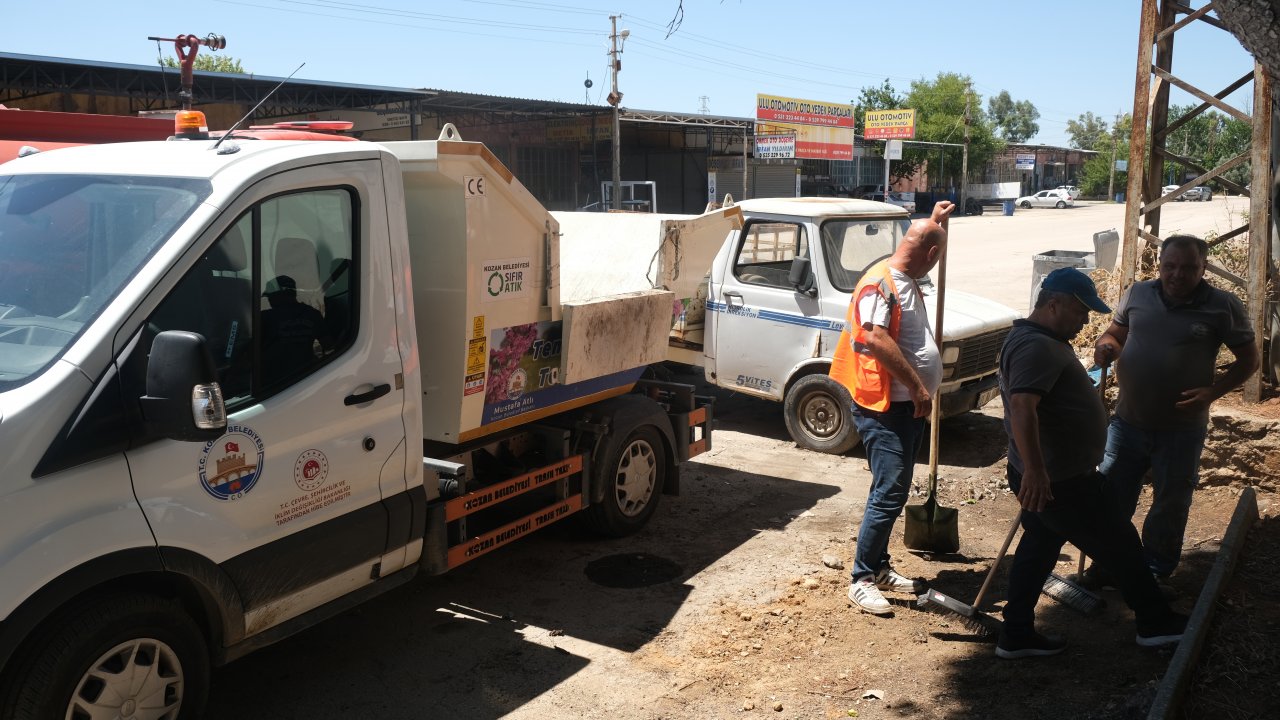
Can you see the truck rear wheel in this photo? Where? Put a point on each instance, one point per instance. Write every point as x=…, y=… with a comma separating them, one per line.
x=817, y=413
x=633, y=471
x=128, y=655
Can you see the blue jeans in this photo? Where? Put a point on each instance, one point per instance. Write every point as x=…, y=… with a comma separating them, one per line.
x=892, y=439
x=1173, y=457
x=1078, y=514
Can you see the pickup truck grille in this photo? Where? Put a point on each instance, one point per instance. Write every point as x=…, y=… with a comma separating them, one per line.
x=980, y=355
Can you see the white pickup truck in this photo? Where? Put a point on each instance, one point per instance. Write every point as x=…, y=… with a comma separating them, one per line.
x=764, y=287
x=245, y=385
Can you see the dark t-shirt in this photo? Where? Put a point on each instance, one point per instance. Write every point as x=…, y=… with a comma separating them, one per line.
x=1170, y=349
x=1073, y=423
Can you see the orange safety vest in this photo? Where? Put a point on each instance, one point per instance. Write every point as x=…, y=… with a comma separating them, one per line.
x=853, y=365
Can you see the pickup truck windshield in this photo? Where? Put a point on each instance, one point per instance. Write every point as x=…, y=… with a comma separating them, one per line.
x=851, y=245
x=68, y=244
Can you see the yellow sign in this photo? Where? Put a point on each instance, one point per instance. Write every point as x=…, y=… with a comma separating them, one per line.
x=476, y=355
x=477, y=326
x=889, y=124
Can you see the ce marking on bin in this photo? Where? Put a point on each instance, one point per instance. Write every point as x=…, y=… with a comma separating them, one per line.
x=475, y=185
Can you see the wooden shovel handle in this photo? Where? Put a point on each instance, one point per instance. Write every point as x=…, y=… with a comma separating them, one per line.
x=995, y=564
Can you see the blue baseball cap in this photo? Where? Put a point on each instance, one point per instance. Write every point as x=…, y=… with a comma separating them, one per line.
x=1073, y=282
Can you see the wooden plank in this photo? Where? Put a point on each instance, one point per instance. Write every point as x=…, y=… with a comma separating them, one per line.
x=1174, y=683
x=1228, y=235
x=1244, y=79
x=1138, y=144
x=1206, y=97
x=1259, y=223
x=1184, y=22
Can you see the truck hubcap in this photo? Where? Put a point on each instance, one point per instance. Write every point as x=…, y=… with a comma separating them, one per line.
x=139, y=679
x=637, y=473
x=820, y=416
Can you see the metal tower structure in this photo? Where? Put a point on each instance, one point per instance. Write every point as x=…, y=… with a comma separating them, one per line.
x=1148, y=153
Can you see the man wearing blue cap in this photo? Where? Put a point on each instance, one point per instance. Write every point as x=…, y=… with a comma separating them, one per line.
x=1057, y=429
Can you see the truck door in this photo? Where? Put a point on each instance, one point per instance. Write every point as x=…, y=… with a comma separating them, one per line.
x=764, y=327
x=294, y=300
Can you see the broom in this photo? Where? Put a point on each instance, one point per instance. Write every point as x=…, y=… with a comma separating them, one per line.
x=977, y=622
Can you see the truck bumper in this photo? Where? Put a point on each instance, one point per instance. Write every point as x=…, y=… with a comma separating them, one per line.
x=970, y=396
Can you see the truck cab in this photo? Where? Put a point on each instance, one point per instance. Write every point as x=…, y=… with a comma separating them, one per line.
x=776, y=301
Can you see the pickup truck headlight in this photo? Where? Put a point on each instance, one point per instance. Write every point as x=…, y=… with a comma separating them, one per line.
x=950, y=354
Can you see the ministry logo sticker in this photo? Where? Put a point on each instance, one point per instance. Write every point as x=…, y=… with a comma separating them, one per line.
x=310, y=469
x=231, y=465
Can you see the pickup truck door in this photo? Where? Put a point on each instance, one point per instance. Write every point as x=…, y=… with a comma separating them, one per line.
x=293, y=295
x=764, y=327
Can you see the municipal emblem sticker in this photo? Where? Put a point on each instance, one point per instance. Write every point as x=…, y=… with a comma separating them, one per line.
x=310, y=469
x=517, y=383
x=231, y=465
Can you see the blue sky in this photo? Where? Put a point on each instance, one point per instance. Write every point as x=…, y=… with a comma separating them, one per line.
x=1065, y=57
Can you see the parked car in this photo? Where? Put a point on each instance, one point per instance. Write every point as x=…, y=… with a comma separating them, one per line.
x=1072, y=191
x=1169, y=190
x=894, y=199
x=1200, y=193
x=865, y=192
x=1047, y=198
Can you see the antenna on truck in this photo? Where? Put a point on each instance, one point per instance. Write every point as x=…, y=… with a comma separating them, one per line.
x=249, y=114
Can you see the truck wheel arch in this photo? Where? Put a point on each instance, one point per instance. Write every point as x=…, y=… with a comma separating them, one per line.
x=845, y=438
x=196, y=582
x=626, y=414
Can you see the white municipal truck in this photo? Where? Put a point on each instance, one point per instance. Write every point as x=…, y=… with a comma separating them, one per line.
x=246, y=384
x=761, y=308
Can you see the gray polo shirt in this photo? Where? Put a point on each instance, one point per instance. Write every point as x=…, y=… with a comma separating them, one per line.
x=1172, y=348
x=1073, y=423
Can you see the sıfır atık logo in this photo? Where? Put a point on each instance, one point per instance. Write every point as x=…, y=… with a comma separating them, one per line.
x=506, y=279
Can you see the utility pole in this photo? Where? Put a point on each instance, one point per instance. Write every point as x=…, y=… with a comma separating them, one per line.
x=615, y=99
x=964, y=157
x=1115, y=143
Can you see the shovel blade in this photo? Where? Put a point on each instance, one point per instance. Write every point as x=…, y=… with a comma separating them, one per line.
x=932, y=528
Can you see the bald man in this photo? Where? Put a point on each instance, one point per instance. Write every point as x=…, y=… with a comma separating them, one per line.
x=889, y=361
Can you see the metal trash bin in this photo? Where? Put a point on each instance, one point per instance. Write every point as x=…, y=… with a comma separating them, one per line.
x=1008, y=207
x=1050, y=260
x=1106, y=245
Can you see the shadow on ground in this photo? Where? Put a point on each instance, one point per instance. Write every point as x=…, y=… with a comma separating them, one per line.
x=491, y=636
x=1104, y=674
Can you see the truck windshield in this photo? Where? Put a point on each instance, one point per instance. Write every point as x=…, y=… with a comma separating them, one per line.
x=851, y=245
x=68, y=244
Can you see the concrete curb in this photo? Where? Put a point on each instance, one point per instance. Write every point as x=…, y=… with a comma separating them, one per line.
x=1174, y=683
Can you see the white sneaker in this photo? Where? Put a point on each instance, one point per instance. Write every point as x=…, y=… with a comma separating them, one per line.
x=890, y=581
x=866, y=596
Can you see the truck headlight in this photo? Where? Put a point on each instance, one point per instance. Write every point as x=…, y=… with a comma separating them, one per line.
x=950, y=354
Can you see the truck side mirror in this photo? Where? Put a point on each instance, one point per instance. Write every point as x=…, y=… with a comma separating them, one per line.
x=183, y=400
x=801, y=278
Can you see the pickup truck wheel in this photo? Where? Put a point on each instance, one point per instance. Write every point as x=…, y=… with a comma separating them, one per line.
x=633, y=472
x=129, y=656
x=1026, y=205
x=1060, y=205
x=817, y=413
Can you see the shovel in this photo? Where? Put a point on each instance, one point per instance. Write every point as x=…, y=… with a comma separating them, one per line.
x=931, y=527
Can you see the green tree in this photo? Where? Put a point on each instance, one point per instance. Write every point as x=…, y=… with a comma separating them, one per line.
x=1087, y=132
x=210, y=62
x=1095, y=176
x=1014, y=121
x=1208, y=140
x=940, y=106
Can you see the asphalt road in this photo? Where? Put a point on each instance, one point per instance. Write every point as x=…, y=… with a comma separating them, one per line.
x=992, y=254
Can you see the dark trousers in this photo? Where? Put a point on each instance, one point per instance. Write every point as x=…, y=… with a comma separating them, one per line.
x=1078, y=514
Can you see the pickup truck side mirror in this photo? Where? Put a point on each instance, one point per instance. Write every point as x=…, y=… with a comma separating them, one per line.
x=183, y=400
x=801, y=277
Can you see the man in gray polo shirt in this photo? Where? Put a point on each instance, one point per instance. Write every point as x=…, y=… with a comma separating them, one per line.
x=1166, y=335
x=1057, y=429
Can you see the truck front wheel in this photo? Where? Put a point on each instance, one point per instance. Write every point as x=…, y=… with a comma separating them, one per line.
x=632, y=471
x=817, y=412
x=128, y=655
